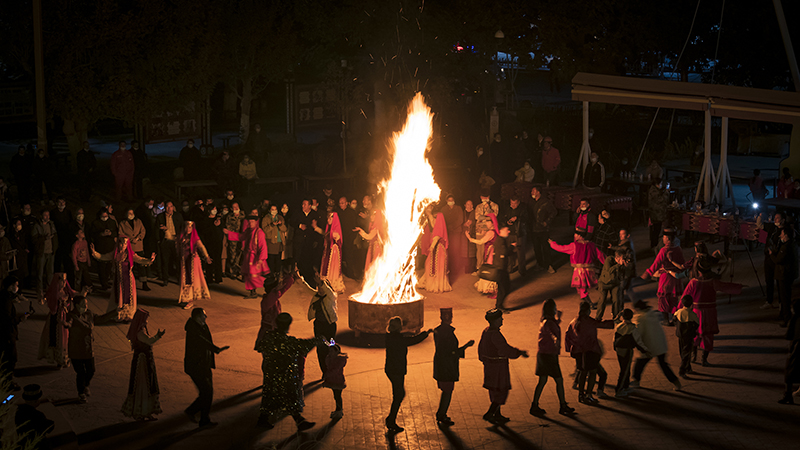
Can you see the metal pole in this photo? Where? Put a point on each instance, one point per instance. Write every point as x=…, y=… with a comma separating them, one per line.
x=586, y=151
x=41, y=125
x=787, y=44
x=707, y=175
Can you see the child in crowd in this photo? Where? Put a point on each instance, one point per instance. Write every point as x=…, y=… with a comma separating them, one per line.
x=81, y=261
x=334, y=377
x=687, y=323
x=626, y=337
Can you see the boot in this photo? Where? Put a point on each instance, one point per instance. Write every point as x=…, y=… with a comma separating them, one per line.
x=566, y=409
x=705, y=358
x=694, y=354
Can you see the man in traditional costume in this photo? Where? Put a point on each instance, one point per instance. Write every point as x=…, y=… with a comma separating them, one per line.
x=445, y=362
x=494, y=352
x=583, y=257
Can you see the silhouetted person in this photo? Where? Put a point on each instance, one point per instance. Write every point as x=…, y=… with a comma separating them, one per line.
x=198, y=362
x=87, y=163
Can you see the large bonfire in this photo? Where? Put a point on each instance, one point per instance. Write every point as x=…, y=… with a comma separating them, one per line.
x=409, y=189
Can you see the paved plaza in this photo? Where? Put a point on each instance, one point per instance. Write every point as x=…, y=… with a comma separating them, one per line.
x=730, y=405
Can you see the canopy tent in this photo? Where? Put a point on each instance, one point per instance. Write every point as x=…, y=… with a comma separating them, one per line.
x=715, y=100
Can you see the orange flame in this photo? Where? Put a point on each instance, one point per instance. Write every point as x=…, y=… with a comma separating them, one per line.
x=409, y=189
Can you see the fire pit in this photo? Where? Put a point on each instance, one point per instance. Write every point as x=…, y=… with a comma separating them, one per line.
x=373, y=317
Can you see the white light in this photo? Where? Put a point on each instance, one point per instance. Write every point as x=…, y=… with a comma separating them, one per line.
x=755, y=205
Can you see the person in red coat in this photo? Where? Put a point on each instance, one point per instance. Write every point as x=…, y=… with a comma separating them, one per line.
x=122, y=167
x=494, y=352
x=254, y=264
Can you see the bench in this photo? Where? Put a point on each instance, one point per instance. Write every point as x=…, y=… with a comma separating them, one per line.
x=278, y=180
x=179, y=185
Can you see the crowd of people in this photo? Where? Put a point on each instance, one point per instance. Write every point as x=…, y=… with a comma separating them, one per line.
x=268, y=246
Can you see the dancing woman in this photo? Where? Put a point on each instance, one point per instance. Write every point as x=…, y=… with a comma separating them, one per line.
x=332, y=257
x=123, y=259
x=193, y=283
x=142, y=401
x=436, y=264
x=487, y=241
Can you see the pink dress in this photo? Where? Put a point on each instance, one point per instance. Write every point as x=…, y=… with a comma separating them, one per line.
x=669, y=287
x=193, y=282
x=331, y=269
x=435, y=277
x=254, y=265
x=704, y=294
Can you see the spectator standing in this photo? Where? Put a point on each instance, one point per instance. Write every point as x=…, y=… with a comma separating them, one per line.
x=773, y=243
x=20, y=239
x=233, y=229
x=594, y=174
x=254, y=262
x=86, y=163
x=586, y=221
x=9, y=326
x=122, y=166
x=247, y=172
x=169, y=225
x=191, y=160
x=6, y=253
x=45, y=240
x=274, y=226
x=785, y=184
x=551, y=161
x=604, y=234
x=226, y=171
x=654, y=171
x=81, y=261
x=785, y=260
x=62, y=220
x=133, y=228
x=757, y=187
x=103, y=234
x=454, y=219
x=146, y=213
x=211, y=234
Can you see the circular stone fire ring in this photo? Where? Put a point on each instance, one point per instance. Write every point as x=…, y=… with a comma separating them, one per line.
x=374, y=317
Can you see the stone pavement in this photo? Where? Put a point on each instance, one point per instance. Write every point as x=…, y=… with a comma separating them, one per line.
x=730, y=405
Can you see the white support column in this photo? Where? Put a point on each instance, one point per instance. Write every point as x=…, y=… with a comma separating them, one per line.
x=723, y=174
x=586, y=150
x=707, y=176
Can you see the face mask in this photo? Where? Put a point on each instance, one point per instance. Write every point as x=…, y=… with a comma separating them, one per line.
x=480, y=152
x=274, y=213
x=61, y=207
x=213, y=212
x=224, y=212
x=235, y=211
x=149, y=206
x=594, y=160
x=484, y=200
x=131, y=216
x=80, y=217
x=14, y=289
x=230, y=197
x=26, y=213
x=18, y=227
x=583, y=208
x=104, y=218
x=314, y=207
x=451, y=203
x=185, y=208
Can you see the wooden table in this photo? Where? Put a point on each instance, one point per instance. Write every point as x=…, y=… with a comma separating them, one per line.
x=727, y=227
x=179, y=185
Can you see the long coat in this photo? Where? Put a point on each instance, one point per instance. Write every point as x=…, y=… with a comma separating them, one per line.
x=494, y=352
x=445, y=360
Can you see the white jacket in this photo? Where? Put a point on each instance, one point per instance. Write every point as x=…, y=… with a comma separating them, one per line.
x=327, y=296
x=649, y=325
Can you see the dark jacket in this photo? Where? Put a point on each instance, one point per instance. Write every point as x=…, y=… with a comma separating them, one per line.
x=594, y=175
x=397, y=351
x=445, y=360
x=86, y=163
x=501, y=251
x=542, y=212
x=139, y=162
x=785, y=261
x=200, y=348
x=104, y=244
x=177, y=221
x=520, y=226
